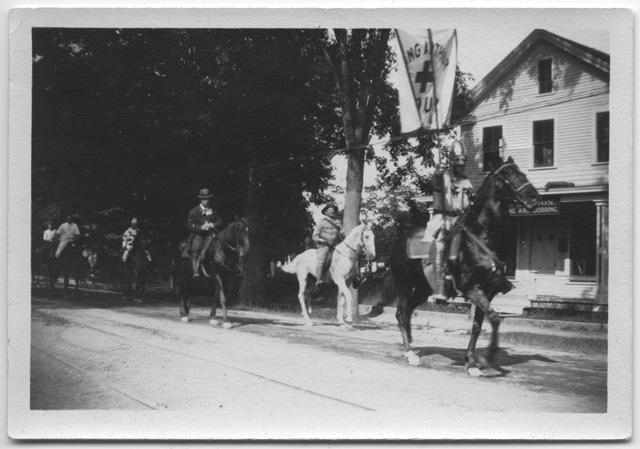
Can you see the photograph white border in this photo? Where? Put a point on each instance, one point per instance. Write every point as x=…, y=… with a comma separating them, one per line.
x=24, y=423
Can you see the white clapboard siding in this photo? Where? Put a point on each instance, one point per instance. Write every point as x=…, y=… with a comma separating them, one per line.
x=579, y=91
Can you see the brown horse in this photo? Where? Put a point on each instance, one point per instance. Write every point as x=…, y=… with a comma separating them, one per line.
x=224, y=258
x=70, y=261
x=477, y=271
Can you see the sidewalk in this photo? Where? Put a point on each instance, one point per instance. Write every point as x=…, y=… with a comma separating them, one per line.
x=582, y=337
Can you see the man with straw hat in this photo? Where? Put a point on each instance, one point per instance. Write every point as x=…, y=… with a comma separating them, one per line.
x=326, y=235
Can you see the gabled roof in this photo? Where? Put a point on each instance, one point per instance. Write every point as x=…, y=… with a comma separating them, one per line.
x=589, y=55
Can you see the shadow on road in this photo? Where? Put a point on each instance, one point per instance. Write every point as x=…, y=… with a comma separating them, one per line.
x=456, y=356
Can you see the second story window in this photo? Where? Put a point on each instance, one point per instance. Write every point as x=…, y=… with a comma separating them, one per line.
x=491, y=138
x=545, y=83
x=543, y=143
x=602, y=136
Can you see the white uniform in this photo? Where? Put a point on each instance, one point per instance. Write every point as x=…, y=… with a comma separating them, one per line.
x=67, y=232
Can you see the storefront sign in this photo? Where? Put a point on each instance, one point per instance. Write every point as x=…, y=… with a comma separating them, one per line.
x=547, y=206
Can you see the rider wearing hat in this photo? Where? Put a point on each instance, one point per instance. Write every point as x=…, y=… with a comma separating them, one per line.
x=128, y=238
x=327, y=234
x=452, y=196
x=202, y=223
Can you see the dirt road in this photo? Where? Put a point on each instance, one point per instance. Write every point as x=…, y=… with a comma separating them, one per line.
x=98, y=352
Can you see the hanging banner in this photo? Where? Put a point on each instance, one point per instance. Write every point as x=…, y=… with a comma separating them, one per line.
x=426, y=87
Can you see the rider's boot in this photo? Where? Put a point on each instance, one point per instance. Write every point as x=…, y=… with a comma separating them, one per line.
x=319, y=270
x=438, y=265
x=193, y=255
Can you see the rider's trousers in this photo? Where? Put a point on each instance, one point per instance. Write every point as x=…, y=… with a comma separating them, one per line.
x=322, y=252
x=439, y=264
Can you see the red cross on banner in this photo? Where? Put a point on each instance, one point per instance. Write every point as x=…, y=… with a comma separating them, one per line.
x=426, y=88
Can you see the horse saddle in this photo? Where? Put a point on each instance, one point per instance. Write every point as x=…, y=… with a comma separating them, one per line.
x=417, y=249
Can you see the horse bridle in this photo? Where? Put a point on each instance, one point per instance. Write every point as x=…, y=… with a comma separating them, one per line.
x=516, y=190
x=227, y=262
x=355, y=251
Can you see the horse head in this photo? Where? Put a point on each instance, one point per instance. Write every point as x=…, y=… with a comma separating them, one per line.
x=140, y=242
x=361, y=239
x=368, y=242
x=241, y=232
x=508, y=178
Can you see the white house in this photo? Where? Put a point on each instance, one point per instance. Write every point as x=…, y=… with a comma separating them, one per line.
x=547, y=106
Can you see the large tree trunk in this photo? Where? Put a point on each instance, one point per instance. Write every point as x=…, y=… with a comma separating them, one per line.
x=358, y=103
x=254, y=277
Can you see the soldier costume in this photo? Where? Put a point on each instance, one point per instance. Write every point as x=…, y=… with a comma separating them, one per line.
x=452, y=196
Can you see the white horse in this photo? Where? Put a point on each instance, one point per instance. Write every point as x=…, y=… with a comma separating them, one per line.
x=341, y=271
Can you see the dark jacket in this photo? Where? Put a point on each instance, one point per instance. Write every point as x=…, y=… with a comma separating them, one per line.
x=197, y=218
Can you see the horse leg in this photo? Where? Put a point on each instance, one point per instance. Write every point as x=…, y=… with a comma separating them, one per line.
x=138, y=274
x=304, y=296
x=66, y=285
x=344, y=302
x=223, y=302
x=483, y=307
x=407, y=303
x=184, y=300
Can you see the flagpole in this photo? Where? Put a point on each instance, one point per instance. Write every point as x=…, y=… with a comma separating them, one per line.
x=433, y=69
x=406, y=68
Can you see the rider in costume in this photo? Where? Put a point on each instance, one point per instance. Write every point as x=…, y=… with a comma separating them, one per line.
x=452, y=196
x=128, y=238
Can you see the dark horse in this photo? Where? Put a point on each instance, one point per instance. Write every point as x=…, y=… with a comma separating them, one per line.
x=477, y=271
x=69, y=261
x=223, y=259
x=40, y=262
x=135, y=267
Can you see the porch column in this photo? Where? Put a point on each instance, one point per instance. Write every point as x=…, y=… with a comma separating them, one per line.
x=602, y=251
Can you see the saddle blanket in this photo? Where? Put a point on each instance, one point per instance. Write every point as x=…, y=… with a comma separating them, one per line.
x=416, y=248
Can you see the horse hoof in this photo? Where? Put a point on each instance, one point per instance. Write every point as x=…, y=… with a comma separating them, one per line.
x=412, y=358
x=227, y=325
x=347, y=326
x=184, y=319
x=474, y=372
x=308, y=323
x=214, y=322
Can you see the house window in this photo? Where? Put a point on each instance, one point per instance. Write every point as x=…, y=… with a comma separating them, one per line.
x=491, y=138
x=602, y=136
x=543, y=143
x=545, y=84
